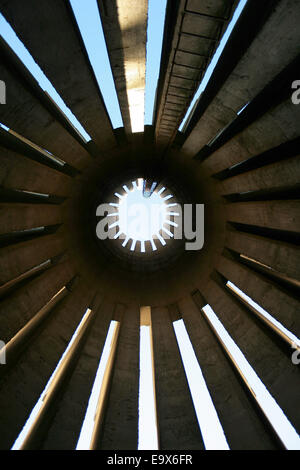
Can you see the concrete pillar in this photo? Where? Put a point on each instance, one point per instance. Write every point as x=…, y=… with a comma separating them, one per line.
x=178, y=426
x=120, y=428
x=242, y=424
x=257, y=342
x=280, y=215
x=18, y=258
x=71, y=72
x=279, y=304
x=22, y=386
x=26, y=99
x=19, y=172
x=16, y=310
x=15, y=217
x=281, y=256
x=67, y=422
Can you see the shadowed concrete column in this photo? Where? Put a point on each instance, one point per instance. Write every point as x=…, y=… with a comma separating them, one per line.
x=69, y=71
x=125, y=29
x=178, y=426
x=22, y=385
x=66, y=425
x=270, y=360
x=242, y=424
x=121, y=423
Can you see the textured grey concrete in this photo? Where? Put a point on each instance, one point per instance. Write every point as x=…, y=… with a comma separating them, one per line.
x=282, y=215
x=281, y=256
x=282, y=306
x=121, y=281
x=20, y=308
x=22, y=386
x=121, y=421
x=242, y=425
x=282, y=174
x=27, y=115
x=68, y=68
x=178, y=426
x=274, y=368
x=275, y=46
x=274, y=128
x=24, y=216
x=66, y=425
x=195, y=37
x=16, y=259
x=125, y=30
x=18, y=172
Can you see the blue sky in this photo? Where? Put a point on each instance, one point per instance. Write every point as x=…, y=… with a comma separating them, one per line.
x=156, y=21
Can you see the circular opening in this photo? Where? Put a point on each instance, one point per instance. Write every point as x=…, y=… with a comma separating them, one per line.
x=143, y=217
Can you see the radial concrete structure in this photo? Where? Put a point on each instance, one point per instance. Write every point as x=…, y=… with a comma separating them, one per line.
x=238, y=154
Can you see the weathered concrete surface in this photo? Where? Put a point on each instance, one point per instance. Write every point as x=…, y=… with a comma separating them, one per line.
x=278, y=255
x=66, y=425
x=278, y=126
x=22, y=386
x=281, y=306
x=242, y=425
x=16, y=259
x=195, y=36
x=114, y=278
x=50, y=33
x=26, y=114
x=125, y=29
x=274, y=368
x=275, y=46
x=21, y=307
x=121, y=421
x=276, y=176
x=18, y=172
x=282, y=215
x=25, y=216
x=177, y=422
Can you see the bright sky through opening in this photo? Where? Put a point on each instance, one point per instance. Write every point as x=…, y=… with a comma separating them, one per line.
x=148, y=434
x=140, y=218
x=155, y=31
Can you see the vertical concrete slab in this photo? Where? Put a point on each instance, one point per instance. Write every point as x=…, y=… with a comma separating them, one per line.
x=178, y=426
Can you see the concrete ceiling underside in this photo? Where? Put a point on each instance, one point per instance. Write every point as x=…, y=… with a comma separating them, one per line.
x=194, y=35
